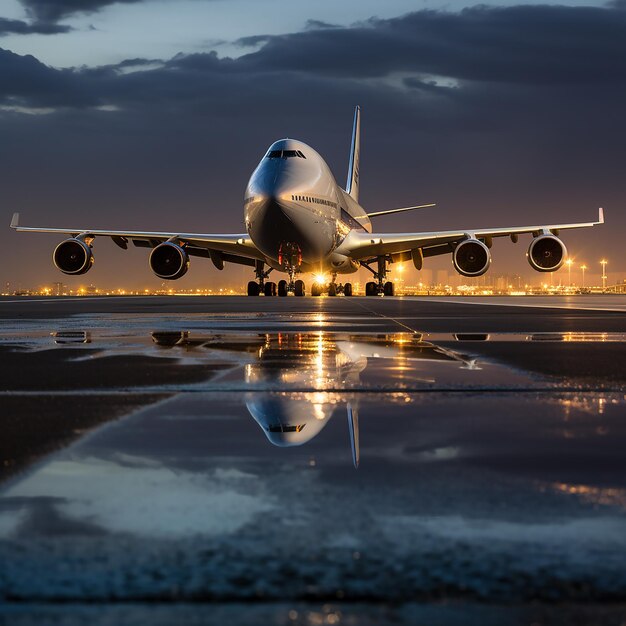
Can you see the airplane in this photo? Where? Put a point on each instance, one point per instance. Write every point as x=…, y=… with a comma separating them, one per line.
x=299, y=220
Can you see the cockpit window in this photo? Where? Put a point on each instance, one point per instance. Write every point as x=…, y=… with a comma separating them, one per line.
x=285, y=428
x=285, y=154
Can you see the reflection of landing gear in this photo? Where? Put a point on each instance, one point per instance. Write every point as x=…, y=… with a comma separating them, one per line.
x=258, y=286
x=381, y=286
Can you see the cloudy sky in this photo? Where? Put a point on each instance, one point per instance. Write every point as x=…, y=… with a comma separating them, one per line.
x=148, y=114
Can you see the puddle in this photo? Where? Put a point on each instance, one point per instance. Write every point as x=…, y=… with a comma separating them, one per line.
x=232, y=495
x=313, y=466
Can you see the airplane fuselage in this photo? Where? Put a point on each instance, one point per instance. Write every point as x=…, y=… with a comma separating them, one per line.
x=295, y=212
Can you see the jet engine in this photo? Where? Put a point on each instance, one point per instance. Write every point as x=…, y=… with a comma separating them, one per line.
x=169, y=261
x=471, y=258
x=73, y=256
x=546, y=253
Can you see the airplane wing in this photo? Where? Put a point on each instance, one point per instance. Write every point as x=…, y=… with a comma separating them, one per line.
x=361, y=246
x=236, y=248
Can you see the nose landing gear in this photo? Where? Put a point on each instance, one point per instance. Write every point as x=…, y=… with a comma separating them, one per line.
x=332, y=288
x=381, y=286
x=290, y=258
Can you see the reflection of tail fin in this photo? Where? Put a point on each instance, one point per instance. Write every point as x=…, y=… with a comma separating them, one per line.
x=353, y=427
x=352, y=186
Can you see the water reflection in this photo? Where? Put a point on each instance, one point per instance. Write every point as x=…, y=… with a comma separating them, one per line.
x=314, y=369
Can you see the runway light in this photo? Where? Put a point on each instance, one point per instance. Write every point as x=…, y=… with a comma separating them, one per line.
x=320, y=279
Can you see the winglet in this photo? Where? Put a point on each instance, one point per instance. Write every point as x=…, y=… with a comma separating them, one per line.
x=15, y=221
x=600, y=215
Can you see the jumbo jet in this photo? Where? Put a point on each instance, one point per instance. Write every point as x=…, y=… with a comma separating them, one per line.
x=299, y=220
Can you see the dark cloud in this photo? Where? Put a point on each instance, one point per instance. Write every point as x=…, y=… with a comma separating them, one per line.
x=515, y=113
x=319, y=25
x=47, y=11
x=19, y=27
x=28, y=82
x=524, y=45
x=521, y=44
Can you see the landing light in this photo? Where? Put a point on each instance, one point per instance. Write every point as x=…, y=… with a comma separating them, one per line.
x=320, y=279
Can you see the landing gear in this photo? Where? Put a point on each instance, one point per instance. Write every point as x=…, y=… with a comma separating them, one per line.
x=332, y=288
x=380, y=287
x=258, y=286
x=283, y=288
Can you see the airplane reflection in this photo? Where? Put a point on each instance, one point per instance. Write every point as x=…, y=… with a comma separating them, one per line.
x=315, y=369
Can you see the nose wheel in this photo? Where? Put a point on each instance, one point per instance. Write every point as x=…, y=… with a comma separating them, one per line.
x=296, y=287
x=332, y=288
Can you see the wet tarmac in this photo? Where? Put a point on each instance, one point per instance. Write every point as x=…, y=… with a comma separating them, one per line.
x=310, y=461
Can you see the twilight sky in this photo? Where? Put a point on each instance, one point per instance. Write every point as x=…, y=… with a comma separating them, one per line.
x=147, y=114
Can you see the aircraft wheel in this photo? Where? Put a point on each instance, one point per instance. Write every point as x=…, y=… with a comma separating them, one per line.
x=282, y=288
x=269, y=289
x=388, y=289
x=332, y=289
x=299, y=288
x=253, y=288
x=347, y=289
x=370, y=289
x=316, y=290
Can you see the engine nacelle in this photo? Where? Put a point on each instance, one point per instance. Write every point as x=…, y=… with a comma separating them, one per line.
x=546, y=253
x=73, y=256
x=169, y=261
x=471, y=258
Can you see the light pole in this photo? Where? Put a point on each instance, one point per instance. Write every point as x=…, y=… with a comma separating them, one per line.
x=569, y=272
x=583, y=267
x=603, y=263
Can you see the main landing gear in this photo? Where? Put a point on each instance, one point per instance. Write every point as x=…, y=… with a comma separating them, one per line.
x=381, y=286
x=258, y=286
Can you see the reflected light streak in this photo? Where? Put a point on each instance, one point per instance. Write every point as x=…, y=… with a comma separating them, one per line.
x=603, y=496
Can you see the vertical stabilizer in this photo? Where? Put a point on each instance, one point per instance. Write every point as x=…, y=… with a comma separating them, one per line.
x=352, y=186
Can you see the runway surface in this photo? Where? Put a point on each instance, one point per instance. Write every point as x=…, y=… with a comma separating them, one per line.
x=202, y=450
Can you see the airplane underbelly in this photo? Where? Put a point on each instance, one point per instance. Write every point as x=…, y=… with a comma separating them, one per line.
x=275, y=227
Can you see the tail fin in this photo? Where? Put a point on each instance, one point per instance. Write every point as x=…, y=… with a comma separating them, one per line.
x=353, y=427
x=352, y=186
